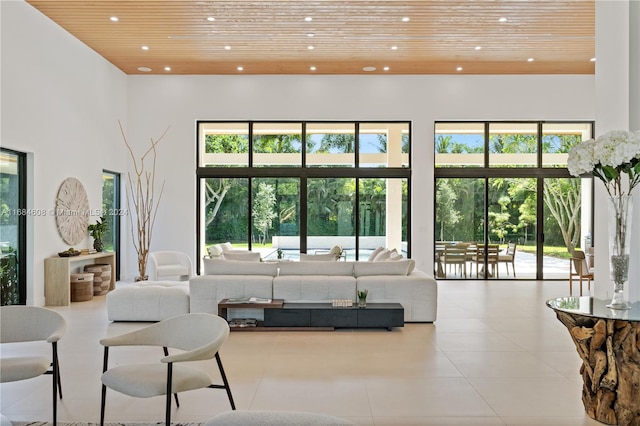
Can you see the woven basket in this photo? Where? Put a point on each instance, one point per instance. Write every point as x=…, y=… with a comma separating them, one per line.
x=81, y=287
x=101, y=278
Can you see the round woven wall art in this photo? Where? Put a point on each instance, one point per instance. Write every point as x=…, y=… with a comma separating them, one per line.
x=72, y=211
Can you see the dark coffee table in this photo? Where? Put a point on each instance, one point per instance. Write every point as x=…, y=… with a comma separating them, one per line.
x=312, y=315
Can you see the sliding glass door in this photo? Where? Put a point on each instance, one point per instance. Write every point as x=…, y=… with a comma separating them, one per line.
x=505, y=184
x=13, y=216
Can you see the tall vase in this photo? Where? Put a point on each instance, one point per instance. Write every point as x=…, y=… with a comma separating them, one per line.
x=620, y=208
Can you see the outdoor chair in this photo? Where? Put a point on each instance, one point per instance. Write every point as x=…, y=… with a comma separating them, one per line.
x=579, y=268
x=491, y=253
x=455, y=257
x=508, y=257
x=30, y=324
x=198, y=336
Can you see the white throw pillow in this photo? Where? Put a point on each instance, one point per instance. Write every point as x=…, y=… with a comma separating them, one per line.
x=374, y=254
x=226, y=247
x=215, y=250
x=243, y=256
x=383, y=255
x=394, y=258
x=336, y=250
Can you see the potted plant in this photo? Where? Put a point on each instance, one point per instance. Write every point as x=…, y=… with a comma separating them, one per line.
x=362, y=298
x=98, y=231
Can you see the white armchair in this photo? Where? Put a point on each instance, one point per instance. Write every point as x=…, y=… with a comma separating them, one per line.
x=171, y=264
x=198, y=337
x=30, y=324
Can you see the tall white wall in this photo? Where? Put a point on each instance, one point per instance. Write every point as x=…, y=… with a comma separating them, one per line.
x=158, y=101
x=60, y=101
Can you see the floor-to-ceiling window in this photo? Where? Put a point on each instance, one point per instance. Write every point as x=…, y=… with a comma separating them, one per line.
x=304, y=186
x=112, y=214
x=505, y=198
x=13, y=215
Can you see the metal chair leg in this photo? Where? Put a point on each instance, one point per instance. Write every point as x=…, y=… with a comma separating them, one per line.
x=224, y=380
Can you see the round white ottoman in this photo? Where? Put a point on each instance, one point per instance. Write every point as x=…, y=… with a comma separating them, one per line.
x=148, y=301
x=275, y=418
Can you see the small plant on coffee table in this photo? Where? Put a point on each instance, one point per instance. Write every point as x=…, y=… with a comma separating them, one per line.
x=362, y=298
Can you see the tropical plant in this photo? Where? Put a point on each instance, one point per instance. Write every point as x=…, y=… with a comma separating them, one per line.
x=264, y=211
x=141, y=199
x=98, y=231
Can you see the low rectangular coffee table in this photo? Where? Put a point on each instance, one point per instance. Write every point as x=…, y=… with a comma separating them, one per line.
x=225, y=305
x=312, y=315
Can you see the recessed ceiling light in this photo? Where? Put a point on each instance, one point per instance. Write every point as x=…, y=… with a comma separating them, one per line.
x=227, y=47
x=592, y=59
x=145, y=47
x=210, y=18
x=406, y=19
x=369, y=69
x=144, y=69
x=312, y=68
x=310, y=34
x=310, y=47
x=386, y=68
x=114, y=18
x=502, y=20
x=308, y=19
x=394, y=47
x=240, y=69
x=478, y=48
x=530, y=60
x=167, y=68
x=459, y=69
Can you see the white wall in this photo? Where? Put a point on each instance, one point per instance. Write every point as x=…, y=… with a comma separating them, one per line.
x=158, y=101
x=60, y=101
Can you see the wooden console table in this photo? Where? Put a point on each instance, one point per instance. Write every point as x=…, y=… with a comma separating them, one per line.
x=608, y=342
x=57, y=275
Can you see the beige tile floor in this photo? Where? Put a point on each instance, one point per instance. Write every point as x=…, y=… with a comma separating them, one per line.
x=495, y=356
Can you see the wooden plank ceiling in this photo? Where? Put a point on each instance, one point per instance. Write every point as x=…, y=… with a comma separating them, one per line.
x=342, y=37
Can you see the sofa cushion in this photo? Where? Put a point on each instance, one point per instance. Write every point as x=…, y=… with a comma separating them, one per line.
x=314, y=288
x=318, y=257
x=237, y=267
x=243, y=256
x=374, y=253
x=316, y=268
x=226, y=246
x=399, y=267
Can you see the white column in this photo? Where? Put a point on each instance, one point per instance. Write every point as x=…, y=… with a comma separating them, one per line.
x=634, y=125
x=617, y=75
x=394, y=188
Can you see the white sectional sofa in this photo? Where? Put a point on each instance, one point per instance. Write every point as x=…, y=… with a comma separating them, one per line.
x=314, y=281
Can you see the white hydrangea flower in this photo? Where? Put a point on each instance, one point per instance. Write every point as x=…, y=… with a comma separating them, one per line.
x=581, y=158
x=617, y=149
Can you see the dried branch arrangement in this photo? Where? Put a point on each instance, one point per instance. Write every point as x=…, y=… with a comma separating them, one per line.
x=141, y=199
